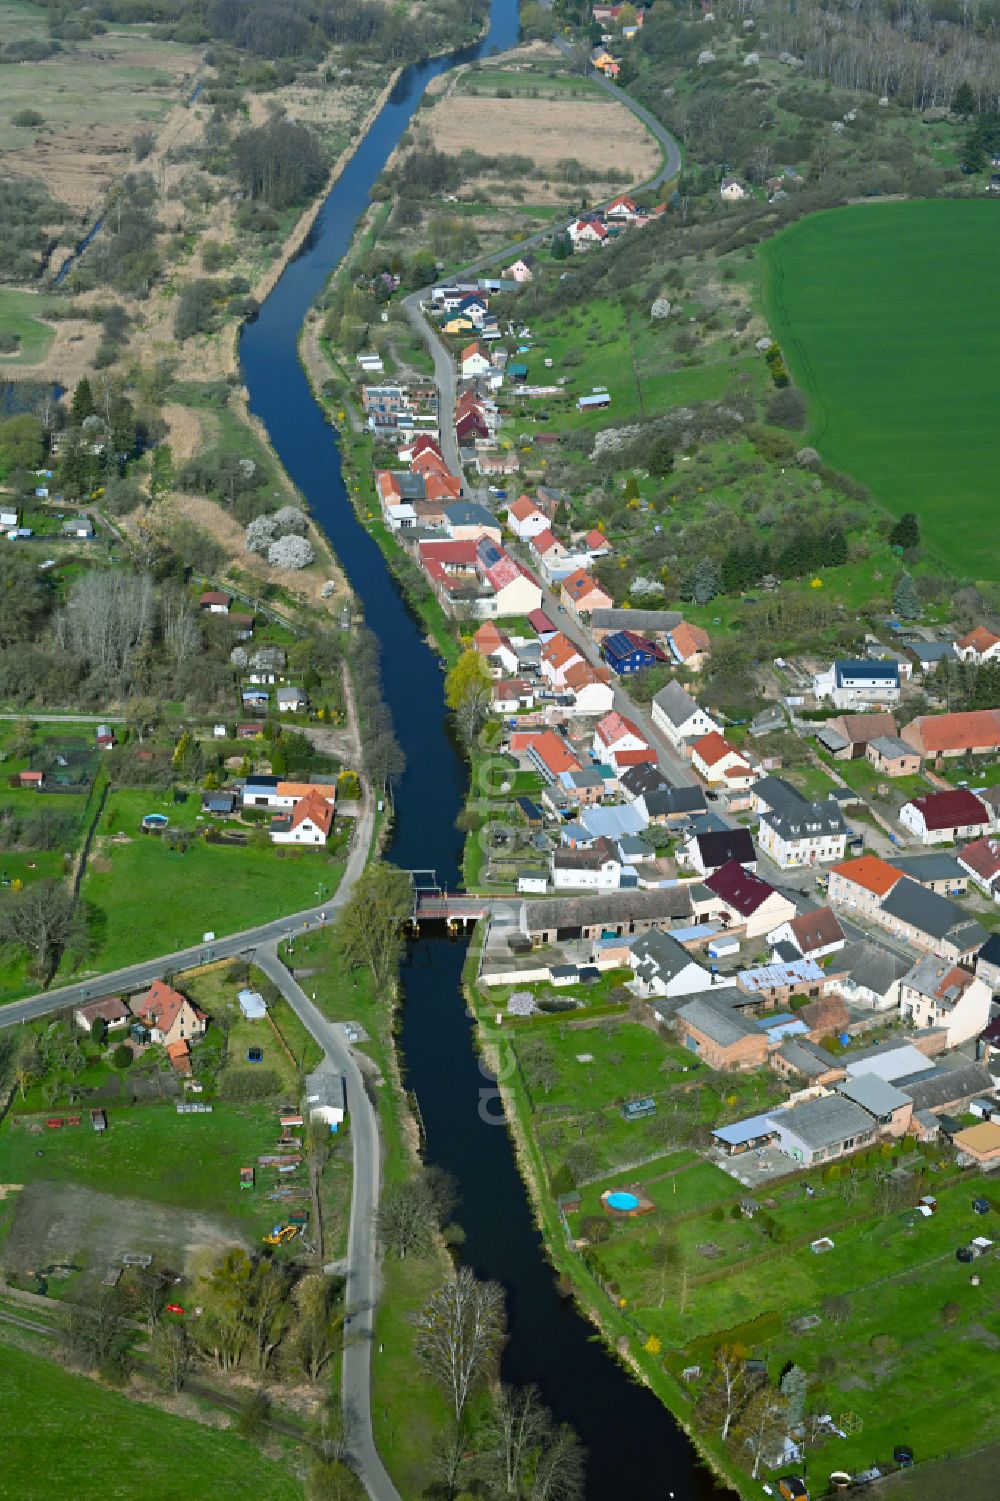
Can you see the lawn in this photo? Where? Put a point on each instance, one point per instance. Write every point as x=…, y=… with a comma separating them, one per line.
x=84, y=1440
x=151, y=1152
x=212, y=888
x=889, y=323
x=21, y=314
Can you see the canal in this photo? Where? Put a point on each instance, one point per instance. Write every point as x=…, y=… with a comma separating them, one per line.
x=634, y=1446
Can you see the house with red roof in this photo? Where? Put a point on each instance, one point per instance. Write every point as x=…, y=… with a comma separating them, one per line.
x=943, y=817
x=582, y=594
x=474, y=360
x=591, y=689
x=973, y=732
x=170, y=1016
x=619, y=743
x=597, y=544
x=308, y=822
x=979, y=646
x=543, y=627
x=525, y=519
x=720, y=764
x=493, y=644
x=550, y=755
x=744, y=901
x=623, y=209
x=216, y=602
x=558, y=654
x=689, y=645
x=586, y=232
x=479, y=576
x=550, y=552
x=863, y=883
x=982, y=861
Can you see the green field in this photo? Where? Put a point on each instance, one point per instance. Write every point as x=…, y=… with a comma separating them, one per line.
x=889, y=320
x=20, y=313
x=84, y=1440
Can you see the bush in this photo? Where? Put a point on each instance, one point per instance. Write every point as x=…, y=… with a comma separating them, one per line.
x=718, y=1214
x=787, y=408
x=30, y=118
x=950, y=1314
x=595, y=1228
x=122, y=1056
x=290, y=552
x=883, y=1344
x=247, y=1085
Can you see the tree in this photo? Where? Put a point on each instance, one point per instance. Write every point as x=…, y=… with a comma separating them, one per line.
x=314, y=1329
x=963, y=100
x=460, y=1333
x=525, y=1454
x=468, y=692
x=706, y=582
x=291, y=552
x=46, y=921
x=723, y=1397
x=761, y=1423
x=22, y=440
x=253, y=1417
x=905, y=532
x=905, y=600
x=660, y=461
x=95, y=1330
x=560, y=1471
x=161, y=471
x=172, y=1355
x=372, y=921
x=413, y=1210
x=631, y=488
x=82, y=404
x=794, y=1386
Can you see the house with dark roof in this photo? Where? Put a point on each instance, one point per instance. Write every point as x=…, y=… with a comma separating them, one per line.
x=859, y=684
x=988, y=962
x=596, y=867
x=626, y=653
x=708, y=853
x=719, y=1034
x=928, y=921
x=892, y=757
x=938, y=993
x=655, y=624
x=871, y=975
x=936, y=870
x=822, y=1129
x=619, y=913
x=803, y=834
x=680, y=718
x=948, y=1089
x=800, y=1059
x=663, y=968
x=111, y=1010
x=943, y=817
x=747, y=902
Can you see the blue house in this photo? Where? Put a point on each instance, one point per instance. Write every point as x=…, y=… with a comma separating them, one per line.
x=627, y=653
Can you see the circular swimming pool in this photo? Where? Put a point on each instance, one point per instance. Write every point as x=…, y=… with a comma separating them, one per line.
x=622, y=1201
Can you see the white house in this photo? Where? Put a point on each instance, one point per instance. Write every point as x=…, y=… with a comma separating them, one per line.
x=663, y=968
x=592, y=692
x=680, y=718
x=326, y=1098
x=979, y=646
x=859, y=684
x=733, y=191
x=8, y=516
x=595, y=869
x=808, y=835
x=309, y=822
x=614, y=738
x=290, y=699
x=937, y=993
x=812, y=934
x=525, y=519
x=716, y=761
x=474, y=361
x=585, y=232
x=943, y=817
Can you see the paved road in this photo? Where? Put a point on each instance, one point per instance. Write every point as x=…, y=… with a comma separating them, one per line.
x=444, y=376
x=362, y=1257
x=133, y=976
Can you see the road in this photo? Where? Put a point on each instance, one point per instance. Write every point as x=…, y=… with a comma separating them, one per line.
x=133, y=976
x=444, y=365
x=361, y=1292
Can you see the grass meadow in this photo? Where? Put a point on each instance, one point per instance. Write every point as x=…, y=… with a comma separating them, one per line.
x=889, y=321
x=84, y=1440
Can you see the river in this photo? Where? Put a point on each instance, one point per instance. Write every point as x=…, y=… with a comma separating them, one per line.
x=634, y=1446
